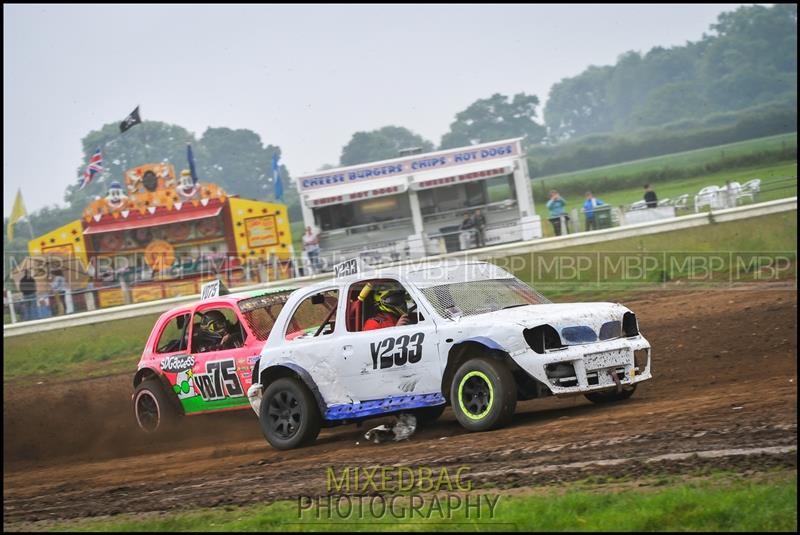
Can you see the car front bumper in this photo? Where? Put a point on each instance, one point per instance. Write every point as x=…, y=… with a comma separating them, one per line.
x=579, y=369
x=254, y=394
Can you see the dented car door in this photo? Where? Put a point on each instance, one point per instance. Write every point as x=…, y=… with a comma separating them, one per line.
x=392, y=361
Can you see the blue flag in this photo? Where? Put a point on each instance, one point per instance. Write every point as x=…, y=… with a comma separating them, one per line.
x=276, y=178
x=190, y=157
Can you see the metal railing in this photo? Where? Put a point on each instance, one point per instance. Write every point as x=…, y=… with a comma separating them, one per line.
x=18, y=308
x=367, y=227
x=499, y=206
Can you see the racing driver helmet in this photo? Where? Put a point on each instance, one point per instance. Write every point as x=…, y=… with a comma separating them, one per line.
x=213, y=324
x=391, y=300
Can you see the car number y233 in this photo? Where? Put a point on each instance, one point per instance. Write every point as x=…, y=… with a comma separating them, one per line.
x=397, y=351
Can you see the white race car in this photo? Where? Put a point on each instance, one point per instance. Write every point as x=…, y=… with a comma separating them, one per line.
x=413, y=339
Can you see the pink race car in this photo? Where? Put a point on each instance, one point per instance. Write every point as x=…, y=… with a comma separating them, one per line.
x=198, y=357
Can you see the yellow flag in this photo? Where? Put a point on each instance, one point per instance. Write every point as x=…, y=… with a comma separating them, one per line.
x=17, y=213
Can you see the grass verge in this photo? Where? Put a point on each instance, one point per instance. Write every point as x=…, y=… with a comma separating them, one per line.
x=84, y=351
x=759, y=249
x=726, y=502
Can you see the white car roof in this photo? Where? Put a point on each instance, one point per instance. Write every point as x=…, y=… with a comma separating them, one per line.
x=425, y=274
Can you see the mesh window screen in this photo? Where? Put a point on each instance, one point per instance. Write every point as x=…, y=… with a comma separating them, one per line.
x=260, y=312
x=480, y=297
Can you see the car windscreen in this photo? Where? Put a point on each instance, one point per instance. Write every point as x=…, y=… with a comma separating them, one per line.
x=479, y=297
x=261, y=312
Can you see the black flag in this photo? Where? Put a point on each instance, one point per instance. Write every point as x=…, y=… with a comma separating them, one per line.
x=131, y=120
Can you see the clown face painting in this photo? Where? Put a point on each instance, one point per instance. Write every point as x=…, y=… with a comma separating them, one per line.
x=116, y=197
x=186, y=188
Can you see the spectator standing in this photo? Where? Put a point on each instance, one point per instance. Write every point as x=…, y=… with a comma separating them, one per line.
x=311, y=247
x=467, y=224
x=480, y=228
x=650, y=197
x=27, y=285
x=555, y=208
x=730, y=195
x=589, y=205
x=58, y=286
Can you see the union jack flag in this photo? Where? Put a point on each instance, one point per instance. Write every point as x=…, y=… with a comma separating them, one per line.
x=95, y=166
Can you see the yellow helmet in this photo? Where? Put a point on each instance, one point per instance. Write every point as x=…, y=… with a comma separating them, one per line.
x=186, y=172
x=391, y=300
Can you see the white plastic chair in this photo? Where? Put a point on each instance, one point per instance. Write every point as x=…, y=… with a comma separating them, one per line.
x=665, y=202
x=750, y=189
x=638, y=205
x=708, y=196
x=753, y=185
x=681, y=202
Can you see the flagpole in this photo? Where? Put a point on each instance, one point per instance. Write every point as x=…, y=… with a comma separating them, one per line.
x=146, y=146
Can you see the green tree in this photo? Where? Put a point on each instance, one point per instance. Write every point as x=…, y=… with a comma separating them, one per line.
x=752, y=58
x=749, y=57
x=494, y=118
x=670, y=102
x=381, y=144
x=238, y=161
x=579, y=105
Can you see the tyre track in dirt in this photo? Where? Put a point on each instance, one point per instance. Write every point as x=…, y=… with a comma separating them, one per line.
x=725, y=373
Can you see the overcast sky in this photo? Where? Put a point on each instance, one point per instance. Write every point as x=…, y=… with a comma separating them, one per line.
x=303, y=77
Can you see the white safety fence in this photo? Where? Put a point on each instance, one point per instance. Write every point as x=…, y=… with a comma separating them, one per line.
x=485, y=253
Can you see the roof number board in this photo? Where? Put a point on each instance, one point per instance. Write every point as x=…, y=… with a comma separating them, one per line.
x=211, y=289
x=348, y=267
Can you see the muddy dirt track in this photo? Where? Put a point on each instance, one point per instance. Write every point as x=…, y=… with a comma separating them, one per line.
x=724, y=395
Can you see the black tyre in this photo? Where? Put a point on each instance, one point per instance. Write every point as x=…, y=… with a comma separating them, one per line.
x=608, y=396
x=483, y=394
x=155, y=411
x=428, y=415
x=289, y=414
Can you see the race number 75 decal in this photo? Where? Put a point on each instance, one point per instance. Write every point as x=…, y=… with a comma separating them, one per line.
x=397, y=351
x=220, y=377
